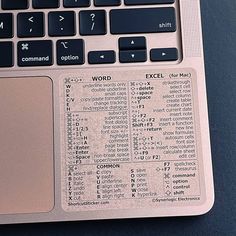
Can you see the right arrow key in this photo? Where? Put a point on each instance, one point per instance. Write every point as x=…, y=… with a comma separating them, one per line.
x=164, y=54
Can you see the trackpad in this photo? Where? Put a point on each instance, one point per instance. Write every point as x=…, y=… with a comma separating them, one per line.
x=26, y=145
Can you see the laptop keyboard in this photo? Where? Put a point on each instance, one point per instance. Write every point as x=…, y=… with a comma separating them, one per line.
x=55, y=32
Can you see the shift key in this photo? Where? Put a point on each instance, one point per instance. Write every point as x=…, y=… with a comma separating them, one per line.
x=143, y=20
x=35, y=53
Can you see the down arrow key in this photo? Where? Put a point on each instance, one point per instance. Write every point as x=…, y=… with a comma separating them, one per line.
x=130, y=56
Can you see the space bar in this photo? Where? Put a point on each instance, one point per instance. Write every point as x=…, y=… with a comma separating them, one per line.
x=143, y=20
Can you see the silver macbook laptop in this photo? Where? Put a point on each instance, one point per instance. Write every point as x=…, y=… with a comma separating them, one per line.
x=103, y=110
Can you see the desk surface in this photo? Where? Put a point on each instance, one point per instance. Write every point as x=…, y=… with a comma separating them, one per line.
x=219, y=26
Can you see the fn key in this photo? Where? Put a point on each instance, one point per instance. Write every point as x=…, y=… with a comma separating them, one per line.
x=35, y=53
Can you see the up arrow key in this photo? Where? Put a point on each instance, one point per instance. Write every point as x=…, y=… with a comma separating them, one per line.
x=132, y=43
x=163, y=54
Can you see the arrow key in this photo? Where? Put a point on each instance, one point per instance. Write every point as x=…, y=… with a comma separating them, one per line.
x=30, y=25
x=132, y=43
x=164, y=54
x=102, y=57
x=130, y=56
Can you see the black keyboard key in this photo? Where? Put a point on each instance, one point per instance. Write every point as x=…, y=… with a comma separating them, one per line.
x=61, y=23
x=102, y=57
x=145, y=2
x=35, y=53
x=14, y=4
x=93, y=22
x=70, y=52
x=105, y=3
x=6, y=55
x=6, y=25
x=132, y=43
x=76, y=3
x=143, y=20
x=40, y=4
x=30, y=24
x=133, y=56
x=164, y=54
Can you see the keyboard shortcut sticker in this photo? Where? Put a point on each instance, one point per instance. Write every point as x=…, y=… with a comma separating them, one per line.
x=129, y=143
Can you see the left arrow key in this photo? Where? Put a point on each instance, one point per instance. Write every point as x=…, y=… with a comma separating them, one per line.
x=102, y=57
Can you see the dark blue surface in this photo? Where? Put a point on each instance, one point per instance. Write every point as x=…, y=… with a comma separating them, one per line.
x=219, y=24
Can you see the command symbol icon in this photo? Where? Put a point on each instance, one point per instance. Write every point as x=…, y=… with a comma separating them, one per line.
x=24, y=46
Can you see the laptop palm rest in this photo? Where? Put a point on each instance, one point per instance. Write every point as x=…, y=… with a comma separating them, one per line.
x=26, y=145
